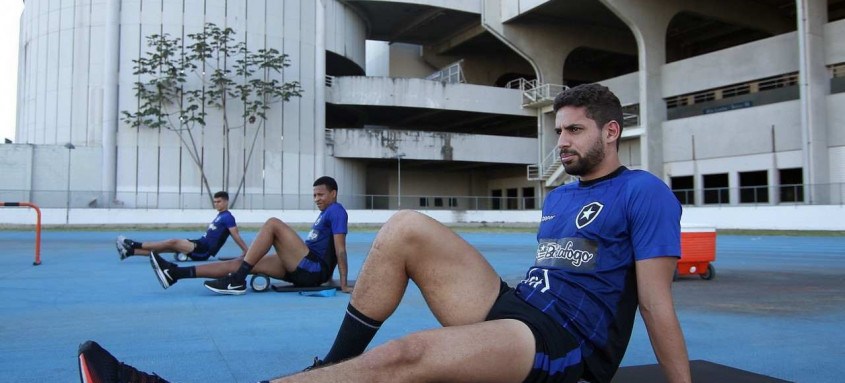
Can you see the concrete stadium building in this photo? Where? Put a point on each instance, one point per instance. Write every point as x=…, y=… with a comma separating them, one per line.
x=446, y=104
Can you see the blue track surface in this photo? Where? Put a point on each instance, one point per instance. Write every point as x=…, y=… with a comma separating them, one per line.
x=776, y=308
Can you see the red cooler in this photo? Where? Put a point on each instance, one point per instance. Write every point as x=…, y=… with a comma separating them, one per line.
x=698, y=250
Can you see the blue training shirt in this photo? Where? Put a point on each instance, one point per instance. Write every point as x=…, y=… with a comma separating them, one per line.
x=320, y=239
x=590, y=236
x=218, y=231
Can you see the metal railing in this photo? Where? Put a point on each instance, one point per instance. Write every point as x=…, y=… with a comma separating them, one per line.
x=451, y=74
x=837, y=70
x=797, y=194
x=545, y=168
x=534, y=93
x=728, y=91
x=76, y=199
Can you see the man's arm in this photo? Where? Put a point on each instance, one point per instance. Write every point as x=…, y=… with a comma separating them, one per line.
x=342, y=265
x=654, y=284
x=236, y=235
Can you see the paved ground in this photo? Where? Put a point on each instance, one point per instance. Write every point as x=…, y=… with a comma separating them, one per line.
x=776, y=308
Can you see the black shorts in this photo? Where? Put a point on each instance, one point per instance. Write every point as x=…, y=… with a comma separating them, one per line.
x=558, y=357
x=200, y=247
x=302, y=277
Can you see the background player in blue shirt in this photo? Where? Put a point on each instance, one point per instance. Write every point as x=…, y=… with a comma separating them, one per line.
x=606, y=244
x=306, y=263
x=202, y=248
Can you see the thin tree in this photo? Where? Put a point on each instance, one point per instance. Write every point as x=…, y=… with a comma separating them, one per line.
x=178, y=83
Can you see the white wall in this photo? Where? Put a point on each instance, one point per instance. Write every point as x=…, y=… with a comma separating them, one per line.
x=383, y=143
x=345, y=32
x=797, y=217
x=418, y=93
x=378, y=59
x=61, y=97
x=625, y=87
x=734, y=133
x=759, y=59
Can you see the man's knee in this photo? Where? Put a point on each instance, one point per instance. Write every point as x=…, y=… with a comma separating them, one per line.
x=273, y=222
x=172, y=243
x=406, y=216
x=398, y=355
x=406, y=224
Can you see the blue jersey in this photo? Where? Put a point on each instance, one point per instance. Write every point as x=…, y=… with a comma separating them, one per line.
x=590, y=235
x=320, y=239
x=218, y=231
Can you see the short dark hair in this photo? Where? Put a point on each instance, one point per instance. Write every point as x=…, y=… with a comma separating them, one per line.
x=222, y=194
x=602, y=105
x=330, y=183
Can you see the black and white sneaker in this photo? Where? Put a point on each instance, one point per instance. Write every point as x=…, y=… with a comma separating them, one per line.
x=228, y=285
x=163, y=270
x=96, y=365
x=122, y=248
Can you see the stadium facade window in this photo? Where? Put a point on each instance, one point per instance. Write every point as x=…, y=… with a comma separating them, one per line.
x=791, y=185
x=513, y=199
x=423, y=202
x=684, y=189
x=528, y=197
x=453, y=202
x=716, y=190
x=496, y=199
x=754, y=187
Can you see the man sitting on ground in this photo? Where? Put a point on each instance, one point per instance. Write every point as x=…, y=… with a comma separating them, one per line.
x=305, y=263
x=200, y=249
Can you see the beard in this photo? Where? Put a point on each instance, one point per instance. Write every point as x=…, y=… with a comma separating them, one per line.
x=586, y=163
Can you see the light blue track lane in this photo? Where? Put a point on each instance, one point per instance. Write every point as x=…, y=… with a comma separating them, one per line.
x=776, y=307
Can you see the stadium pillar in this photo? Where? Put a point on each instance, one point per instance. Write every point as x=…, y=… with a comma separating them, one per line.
x=111, y=55
x=648, y=21
x=814, y=85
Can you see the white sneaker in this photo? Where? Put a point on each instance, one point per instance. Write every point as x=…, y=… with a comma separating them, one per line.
x=121, y=247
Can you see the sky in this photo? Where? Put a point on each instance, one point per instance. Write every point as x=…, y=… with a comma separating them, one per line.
x=10, y=21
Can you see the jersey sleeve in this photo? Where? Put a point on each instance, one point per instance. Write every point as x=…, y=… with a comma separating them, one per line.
x=339, y=220
x=654, y=216
x=229, y=221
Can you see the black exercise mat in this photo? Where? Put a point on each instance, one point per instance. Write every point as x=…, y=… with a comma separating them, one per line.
x=702, y=372
x=289, y=288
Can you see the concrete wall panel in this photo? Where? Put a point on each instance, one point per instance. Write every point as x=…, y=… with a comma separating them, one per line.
x=837, y=167
x=834, y=47
x=759, y=59
x=626, y=88
x=836, y=119
x=750, y=131
x=406, y=61
x=735, y=217
x=16, y=162
x=345, y=32
x=418, y=93
x=273, y=172
x=380, y=143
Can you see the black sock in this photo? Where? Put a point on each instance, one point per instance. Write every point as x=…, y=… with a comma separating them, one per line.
x=356, y=332
x=134, y=245
x=243, y=271
x=183, y=272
